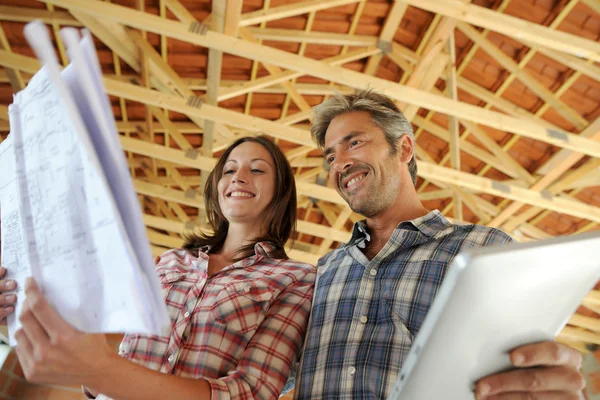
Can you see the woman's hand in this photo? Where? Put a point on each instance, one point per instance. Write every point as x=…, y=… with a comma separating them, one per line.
x=7, y=301
x=52, y=351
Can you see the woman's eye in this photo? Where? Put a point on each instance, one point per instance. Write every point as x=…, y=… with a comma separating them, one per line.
x=257, y=170
x=228, y=172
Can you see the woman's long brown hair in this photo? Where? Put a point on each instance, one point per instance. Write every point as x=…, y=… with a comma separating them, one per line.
x=279, y=217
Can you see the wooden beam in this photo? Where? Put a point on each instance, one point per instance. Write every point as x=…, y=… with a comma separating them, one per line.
x=290, y=10
x=207, y=111
x=593, y=324
x=585, y=67
x=4, y=115
x=512, y=27
x=339, y=223
x=312, y=37
x=454, y=128
x=525, y=77
x=552, y=176
x=278, y=79
x=14, y=76
x=593, y=4
x=499, y=121
x=191, y=198
x=386, y=38
x=468, y=147
x=339, y=75
x=25, y=14
x=495, y=188
x=580, y=334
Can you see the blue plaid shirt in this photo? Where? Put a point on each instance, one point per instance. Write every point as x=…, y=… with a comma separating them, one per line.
x=365, y=314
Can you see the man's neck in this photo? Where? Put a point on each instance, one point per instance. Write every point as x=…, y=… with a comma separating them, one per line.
x=382, y=226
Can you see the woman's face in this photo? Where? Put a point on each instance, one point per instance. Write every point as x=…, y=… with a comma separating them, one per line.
x=247, y=183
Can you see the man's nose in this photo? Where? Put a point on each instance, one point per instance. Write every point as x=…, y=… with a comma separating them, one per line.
x=342, y=163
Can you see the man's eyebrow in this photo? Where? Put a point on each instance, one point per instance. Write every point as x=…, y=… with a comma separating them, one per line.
x=345, y=139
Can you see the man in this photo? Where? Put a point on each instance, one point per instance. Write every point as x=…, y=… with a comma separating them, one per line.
x=373, y=293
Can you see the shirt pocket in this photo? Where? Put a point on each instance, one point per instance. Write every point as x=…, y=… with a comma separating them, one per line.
x=241, y=306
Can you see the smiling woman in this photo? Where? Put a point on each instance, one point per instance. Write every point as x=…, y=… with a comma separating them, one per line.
x=251, y=186
x=238, y=306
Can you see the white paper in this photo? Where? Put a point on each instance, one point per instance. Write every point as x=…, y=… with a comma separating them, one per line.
x=77, y=245
x=12, y=240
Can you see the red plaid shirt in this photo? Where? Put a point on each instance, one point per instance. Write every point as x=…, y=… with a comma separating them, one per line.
x=241, y=330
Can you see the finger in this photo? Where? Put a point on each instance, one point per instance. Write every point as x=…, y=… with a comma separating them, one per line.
x=5, y=311
x=7, y=284
x=50, y=321
x=8, y=299
x=156, y=259
x=32, y=328
x=535, y=396
x=2, y=272
x=24, y=349
x=531, y=380
x=546, y=353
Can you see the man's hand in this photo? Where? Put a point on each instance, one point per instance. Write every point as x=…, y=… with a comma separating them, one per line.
x=52, y=351
x=545, y=371
x=7, y=301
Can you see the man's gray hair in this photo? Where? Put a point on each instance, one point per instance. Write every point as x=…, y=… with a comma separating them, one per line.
x=384, y=114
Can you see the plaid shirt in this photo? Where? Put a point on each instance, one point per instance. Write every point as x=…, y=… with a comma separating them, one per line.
x=365, y=313
x=242, y=330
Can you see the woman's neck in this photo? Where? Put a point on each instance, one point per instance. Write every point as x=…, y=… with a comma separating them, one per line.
x=238, y=235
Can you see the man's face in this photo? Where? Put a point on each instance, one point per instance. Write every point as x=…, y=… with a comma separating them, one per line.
x=362, y=167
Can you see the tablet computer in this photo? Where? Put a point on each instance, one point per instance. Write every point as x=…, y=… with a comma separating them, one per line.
x=491, y=301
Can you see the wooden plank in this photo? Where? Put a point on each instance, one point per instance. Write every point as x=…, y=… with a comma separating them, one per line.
x=339, y=75
x=25, y=14
x=525, y=77
x=512, y=27
x=508, y=191
x=594, y=131
x=14, y=75
x=167, y=194
x=290, y=10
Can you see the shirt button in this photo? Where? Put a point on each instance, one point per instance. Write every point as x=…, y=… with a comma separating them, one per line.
x=171, y=358
x=373, y=272
x=186, y=315
x=123, y=349
x=351, y=370
x=247, y=289
x=363, y=319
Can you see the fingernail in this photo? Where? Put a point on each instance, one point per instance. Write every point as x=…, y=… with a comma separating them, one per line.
x=9, y=309
x=484, y=389
x=10, y=298
x=518, y=359
x=10, y=284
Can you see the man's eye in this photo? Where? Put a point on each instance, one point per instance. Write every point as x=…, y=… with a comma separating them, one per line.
x=354, y=143
x=330, y=160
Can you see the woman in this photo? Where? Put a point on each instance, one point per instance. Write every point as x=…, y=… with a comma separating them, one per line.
x=238, y=307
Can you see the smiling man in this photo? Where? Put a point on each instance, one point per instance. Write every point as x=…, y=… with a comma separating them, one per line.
x=373, y=292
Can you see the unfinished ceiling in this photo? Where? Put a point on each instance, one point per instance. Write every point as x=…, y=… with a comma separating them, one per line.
x=504, y=97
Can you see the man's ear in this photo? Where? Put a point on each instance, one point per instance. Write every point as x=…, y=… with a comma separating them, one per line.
x=406, y=148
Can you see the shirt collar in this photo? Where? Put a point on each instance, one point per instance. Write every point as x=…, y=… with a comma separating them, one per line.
x=428, y=224
x=261, y=249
